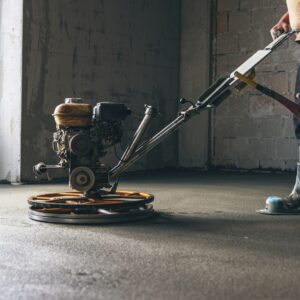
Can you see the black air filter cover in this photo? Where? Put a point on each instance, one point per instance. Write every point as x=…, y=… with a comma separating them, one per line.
x=110, y=111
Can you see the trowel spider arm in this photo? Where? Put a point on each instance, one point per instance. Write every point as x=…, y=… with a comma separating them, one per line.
x=211, y=98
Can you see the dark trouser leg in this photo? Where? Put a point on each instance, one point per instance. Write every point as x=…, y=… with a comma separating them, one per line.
x=297, y=100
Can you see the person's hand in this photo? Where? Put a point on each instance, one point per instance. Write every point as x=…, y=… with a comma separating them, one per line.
x=282, y=26
x=279, y=28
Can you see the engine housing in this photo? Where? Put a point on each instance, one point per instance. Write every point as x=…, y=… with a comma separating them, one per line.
x=83, y=136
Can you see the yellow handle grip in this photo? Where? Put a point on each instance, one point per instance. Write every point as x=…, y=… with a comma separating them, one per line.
x=245, y=79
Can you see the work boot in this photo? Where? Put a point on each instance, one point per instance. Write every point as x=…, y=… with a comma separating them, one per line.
x=288, y=205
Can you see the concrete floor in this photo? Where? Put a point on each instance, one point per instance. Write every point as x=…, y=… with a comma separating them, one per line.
x=206, y=243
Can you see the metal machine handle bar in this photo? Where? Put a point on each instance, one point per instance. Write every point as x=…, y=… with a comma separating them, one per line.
x=151, y=143
x=280, y=40
x=260, y=55
x=150, y=113
x=214, y=95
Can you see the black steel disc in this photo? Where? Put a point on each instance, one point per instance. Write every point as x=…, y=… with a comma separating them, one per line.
x=64, y=216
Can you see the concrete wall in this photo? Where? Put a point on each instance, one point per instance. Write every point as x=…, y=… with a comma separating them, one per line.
x=194, y=79
x=250, y=130
x=11, y=15
x=107, y=50
x=130, y=51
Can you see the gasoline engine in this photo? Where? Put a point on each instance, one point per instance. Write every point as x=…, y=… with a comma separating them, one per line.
x=83, y=137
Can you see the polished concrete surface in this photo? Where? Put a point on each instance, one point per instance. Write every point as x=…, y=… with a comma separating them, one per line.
x=206, y=242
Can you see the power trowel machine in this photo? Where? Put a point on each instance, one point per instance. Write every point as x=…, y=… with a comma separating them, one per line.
x=85, y=134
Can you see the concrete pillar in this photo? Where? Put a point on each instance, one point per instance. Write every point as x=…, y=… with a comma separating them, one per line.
x=11, y=26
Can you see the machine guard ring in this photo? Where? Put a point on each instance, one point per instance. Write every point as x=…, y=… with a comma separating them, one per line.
x=75, y=201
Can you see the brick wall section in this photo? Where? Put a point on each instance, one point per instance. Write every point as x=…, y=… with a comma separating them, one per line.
x=251, y=131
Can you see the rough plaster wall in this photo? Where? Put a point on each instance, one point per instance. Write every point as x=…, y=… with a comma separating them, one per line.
x=11, y=14
x=194, y=78
x=250, y=130
x=106, y=50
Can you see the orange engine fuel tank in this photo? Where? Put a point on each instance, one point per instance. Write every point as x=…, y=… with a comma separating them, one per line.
x=73, y=113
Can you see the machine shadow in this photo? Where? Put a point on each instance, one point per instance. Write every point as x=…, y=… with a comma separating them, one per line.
x=189, y=224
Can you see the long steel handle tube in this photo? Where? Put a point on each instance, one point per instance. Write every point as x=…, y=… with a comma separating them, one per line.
x=280, y=40
x=209, y=100
x=154, y=141
x=149, y=115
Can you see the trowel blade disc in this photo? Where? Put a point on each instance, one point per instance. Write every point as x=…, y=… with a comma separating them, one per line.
x=103, y=217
